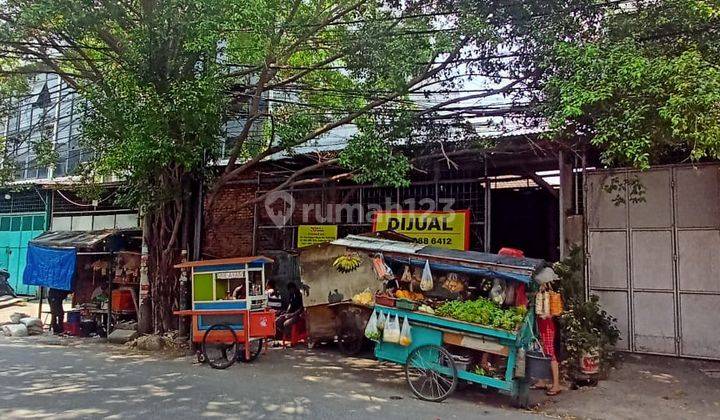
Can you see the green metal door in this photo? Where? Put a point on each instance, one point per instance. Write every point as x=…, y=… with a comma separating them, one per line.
x=16, y=230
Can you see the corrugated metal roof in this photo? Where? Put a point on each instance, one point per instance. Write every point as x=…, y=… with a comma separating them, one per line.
x=478, y=263
x=529, y=264
x=378, y=245
x=73, y=239
x=225, y=261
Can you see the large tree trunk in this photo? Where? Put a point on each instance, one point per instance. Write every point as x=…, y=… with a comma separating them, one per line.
x=167, y=233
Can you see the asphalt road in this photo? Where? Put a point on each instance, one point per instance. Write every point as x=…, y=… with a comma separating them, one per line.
x=92, y=380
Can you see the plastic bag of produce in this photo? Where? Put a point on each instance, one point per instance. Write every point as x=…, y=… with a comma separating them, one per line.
x=405, y=333
x=371, y=330
x=391, y=333
x=497, y=293
x=426, y=283
x=381, y=320
x=406, y=275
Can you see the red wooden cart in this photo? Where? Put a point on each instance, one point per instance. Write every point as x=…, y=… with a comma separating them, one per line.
x=230, y=316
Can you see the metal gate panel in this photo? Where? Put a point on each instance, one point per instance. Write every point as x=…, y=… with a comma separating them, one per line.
x=16, y=230
x=654, y=322
x=652, y=260
x=697, y=193
x=608, y=259
x=607, y=214
x=699, y=316
x=669, y=302
x=699, y=260
x=654, y=208
x=616, y=304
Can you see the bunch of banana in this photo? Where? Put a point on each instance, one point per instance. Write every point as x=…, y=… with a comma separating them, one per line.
x=347, y=263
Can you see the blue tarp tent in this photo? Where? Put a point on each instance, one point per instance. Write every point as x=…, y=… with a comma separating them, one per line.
x=51, y=257
x=50, y=267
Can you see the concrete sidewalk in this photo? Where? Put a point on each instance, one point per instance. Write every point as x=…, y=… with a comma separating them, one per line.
x=646, y=387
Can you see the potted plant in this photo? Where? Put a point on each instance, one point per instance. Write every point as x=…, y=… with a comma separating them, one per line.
x=588, y=333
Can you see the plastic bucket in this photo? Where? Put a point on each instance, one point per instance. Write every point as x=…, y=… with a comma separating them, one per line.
x=537, y=365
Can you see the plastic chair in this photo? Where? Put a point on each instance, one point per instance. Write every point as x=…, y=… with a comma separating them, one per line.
x=298, y=333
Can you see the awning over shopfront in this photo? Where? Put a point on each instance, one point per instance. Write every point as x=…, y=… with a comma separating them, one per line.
x=73, y=239
x=470, y=262
x=51, y=257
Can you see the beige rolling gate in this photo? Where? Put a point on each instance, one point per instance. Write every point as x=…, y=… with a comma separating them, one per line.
x=655, y=264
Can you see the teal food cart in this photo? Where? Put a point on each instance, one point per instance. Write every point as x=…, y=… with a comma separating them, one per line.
x=430, y=369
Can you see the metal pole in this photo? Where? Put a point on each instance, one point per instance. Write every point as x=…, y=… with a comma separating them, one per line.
x=40, y=303
x=111, y=269
x=488, y=205
x=183, y=329
x=145, y=314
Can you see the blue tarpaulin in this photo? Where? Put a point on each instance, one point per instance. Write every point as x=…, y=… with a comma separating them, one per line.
x=50, y=267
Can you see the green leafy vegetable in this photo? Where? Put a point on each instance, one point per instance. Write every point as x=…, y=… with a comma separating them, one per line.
x=484, y=312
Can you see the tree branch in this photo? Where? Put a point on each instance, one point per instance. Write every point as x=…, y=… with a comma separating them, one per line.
x=266, y=75
x=300, y=75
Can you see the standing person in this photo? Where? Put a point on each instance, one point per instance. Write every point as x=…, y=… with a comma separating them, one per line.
x=57, y=314
x=547, y=330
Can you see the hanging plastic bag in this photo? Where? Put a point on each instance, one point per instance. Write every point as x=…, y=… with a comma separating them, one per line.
x=540, y=304
x=371, y=330
x=391, y=333
x=555, y=303
x=406, y=275
x=381, y=321
x=405, y=334
x=497, y=293
x=382, y=270
x=426, y=283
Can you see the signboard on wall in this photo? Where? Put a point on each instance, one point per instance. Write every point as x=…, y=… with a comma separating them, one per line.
x=442, y=229
x=315, y=234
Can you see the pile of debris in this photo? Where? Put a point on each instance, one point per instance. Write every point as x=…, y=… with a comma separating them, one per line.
x=22, y=325
x=168, y=342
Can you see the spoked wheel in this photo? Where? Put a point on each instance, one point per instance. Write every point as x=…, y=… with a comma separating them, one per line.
x=219, y=346
x=431, y=373
x=350, y=341
x=255, y=349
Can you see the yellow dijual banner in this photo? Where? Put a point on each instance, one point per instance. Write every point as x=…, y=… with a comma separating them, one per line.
x=442, y=229
x=315, y=234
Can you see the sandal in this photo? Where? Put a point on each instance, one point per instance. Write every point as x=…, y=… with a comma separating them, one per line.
x=536, y=387
x=551, y=393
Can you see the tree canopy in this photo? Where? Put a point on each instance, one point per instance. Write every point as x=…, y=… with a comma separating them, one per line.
x=163, y=80
x=643, y=86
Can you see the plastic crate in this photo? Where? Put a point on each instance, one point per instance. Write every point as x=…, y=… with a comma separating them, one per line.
x=122, y=301
x=72, y=328
x=408, y=305
x=384, y=301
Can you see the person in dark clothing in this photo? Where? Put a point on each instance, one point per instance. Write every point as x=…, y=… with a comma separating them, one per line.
x=57, y=314
x=291, y=312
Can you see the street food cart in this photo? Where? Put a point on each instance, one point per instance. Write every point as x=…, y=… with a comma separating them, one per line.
x=230, y=315
x=442, y=350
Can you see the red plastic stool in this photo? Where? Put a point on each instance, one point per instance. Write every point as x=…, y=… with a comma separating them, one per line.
x=298, y=333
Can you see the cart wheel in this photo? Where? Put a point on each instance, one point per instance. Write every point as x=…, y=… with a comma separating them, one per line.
x=201, y=357
x=219, y=346
x=431, y=373
x=350, y=341
x=255, y=349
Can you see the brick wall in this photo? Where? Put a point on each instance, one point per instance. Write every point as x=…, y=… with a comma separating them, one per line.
x=228, y=226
